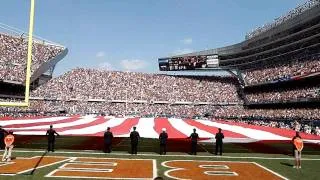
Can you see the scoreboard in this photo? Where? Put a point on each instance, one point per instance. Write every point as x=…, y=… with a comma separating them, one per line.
x=188, y=63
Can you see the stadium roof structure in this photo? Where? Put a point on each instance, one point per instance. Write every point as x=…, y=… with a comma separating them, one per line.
x=299, y=15
x=45, y=71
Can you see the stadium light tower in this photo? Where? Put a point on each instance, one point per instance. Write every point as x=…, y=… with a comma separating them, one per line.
x=29, y=61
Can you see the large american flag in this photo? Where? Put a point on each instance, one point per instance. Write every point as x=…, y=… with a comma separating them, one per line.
x=92, y=125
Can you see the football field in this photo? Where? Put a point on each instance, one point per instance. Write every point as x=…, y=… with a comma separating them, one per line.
x=89, y=164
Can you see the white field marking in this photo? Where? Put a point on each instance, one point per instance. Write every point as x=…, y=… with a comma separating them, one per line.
x=158, y=155
x=166, y=173
x=51, y=174
x=145, y=128
x=96, y=128
x=38, y=167
x=155, y=169
x=275, y=173
x=251, y=133
x=87, y=164
x=94, y=163
x=187, y=129
x=214, y=166
x=154, y=164
x=221, y=173
x=80, y=121
x=24, y=121
x=86, y=170
x=4, y=163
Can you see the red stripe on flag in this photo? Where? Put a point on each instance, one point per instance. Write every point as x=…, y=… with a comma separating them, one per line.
x=160, y=123
x=99, y=120
x=213, y=130
x=278, y=131
x=123, y=128
x=71, y=119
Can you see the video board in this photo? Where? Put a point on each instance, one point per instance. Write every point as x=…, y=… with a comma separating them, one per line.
x=188, y=63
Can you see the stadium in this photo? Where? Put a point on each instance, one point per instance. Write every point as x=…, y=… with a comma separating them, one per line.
x=269, y=91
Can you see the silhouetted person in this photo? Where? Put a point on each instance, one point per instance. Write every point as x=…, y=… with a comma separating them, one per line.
x=134, y=136
x=3, y=134
x=51, y=138
x=108, y=136
x=163, y=137
x=194, y=139
x=219, y=142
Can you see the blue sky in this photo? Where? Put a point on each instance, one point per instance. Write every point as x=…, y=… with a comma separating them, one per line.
x=131, y=35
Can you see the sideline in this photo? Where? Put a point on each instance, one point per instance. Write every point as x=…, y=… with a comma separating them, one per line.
x=158, y=155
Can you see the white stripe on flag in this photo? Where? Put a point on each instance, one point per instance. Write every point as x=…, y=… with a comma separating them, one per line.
x=187, y=129
x=96, y=128
x=145, y=127
x=251, y=133
x=26, y=121
x=80, y=121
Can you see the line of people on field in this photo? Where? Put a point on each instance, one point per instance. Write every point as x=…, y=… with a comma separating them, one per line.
x=163, y=139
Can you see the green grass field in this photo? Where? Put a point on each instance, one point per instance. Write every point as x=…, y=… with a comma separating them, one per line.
x=283, y=166
x=274, y=156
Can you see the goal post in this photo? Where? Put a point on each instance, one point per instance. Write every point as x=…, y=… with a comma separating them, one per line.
x=25, y=103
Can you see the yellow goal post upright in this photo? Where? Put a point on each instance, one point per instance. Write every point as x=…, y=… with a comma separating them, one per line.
x=25, y=103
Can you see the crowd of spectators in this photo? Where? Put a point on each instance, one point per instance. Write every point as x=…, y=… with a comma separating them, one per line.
x=13, y=56
x=291, y=14
x=131, y=86
x=285, y=95
x=282, y=72
x=179, y=110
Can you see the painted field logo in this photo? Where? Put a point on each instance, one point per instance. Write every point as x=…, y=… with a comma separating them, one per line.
x=106, y=168
x=208, y=170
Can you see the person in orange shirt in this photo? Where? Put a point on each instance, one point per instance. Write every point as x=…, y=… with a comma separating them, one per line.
x=298, y=146
x=8, y=140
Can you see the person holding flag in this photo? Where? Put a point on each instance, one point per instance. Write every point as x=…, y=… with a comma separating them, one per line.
x=8, y=140
x=298, y=146
x=194, y=141
x=163, y=138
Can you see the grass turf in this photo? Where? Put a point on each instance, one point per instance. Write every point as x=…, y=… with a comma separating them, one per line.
x=282, y=166
x=180, y=148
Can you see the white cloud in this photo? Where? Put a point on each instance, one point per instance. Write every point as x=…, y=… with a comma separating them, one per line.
x=132, y=64
x=106, y=66
x=181, y=51
x=187, y=41
x=100, y=54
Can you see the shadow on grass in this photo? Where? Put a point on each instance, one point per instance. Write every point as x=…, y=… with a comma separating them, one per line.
x=36, y=166
x=286, y=164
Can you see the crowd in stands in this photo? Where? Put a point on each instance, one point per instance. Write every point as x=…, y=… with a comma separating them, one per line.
x=282, y=72
x=13, y=56
x=112, y=85
x=291, y=14
x=286, y=95
x=144, y=109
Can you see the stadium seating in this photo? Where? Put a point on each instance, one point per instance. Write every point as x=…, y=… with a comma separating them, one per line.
x=13, y=56
x=286, y=95
x=111, y=85
x=278, y=72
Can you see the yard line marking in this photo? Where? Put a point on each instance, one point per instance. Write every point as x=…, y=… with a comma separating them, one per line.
x=158, y=155
x=270, y=170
